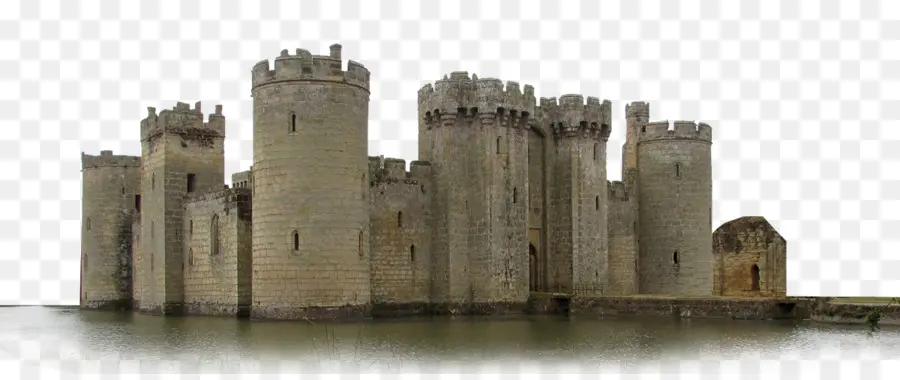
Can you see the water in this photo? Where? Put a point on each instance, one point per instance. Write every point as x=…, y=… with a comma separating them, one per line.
x=69, y=334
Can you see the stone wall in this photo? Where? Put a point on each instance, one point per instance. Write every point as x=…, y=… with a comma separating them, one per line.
x=539, y=141
x=218, y=259
x=690, y=307
x=750, y=259
x=623, y=243
x=109, y=186
x=400, y=231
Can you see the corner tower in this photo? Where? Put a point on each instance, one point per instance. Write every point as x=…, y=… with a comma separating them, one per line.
x=310, y=169
x=675, y=208
x=110, y=188
x=579, y=193
x=476, y=131
x=181, y=154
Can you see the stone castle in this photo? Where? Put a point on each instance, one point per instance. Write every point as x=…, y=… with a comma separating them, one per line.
x=509, y=197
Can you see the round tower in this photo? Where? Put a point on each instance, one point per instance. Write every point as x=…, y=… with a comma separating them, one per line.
x=675, y=208
x=310, y=169
x=109, y=184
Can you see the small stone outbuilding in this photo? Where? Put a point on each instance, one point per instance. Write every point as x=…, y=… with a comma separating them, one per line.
x=750, y=259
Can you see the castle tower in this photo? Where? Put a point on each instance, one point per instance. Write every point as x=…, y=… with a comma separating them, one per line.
x=636, y=115
x=578, y=262
x=479, y=131
x=310, y=169
x=181, y=154
x=675, y=209
x=110, y=186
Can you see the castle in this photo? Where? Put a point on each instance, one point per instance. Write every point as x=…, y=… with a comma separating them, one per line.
x=509, y=197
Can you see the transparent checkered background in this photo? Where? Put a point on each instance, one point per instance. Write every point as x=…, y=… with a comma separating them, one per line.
x=799, y=97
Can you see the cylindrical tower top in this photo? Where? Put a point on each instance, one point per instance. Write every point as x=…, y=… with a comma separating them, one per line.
x=304, y=66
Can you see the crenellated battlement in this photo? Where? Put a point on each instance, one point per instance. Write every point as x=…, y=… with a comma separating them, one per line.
x=392, y=170
x=638, y=109
x=573, y=115
x=488, y=99
x=678, y=130
x=107, y=159
x=184, y=120
x=304, y=66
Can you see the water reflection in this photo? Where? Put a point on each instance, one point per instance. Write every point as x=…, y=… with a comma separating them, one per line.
x=87, y=335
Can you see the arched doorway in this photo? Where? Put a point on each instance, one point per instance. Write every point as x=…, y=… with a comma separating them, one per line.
x=754, y=278
x=532, y=268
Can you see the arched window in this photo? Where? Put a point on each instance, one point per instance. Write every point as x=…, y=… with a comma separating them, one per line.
x=675, y=258
x=293, y=123
x=412, y=253
x=214, y=235
x=296, y=237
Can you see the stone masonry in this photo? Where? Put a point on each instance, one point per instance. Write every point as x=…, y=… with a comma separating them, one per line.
x=509, y=197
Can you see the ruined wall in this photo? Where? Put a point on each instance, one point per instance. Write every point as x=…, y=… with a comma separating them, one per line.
x=475, y=132
x=310, y=169
x=218, y=246
x=109, y=186
x=400, y=231
x=750, y=259
x=579, y=192
x=675, y=209
x=181, y=154
x=623, y=239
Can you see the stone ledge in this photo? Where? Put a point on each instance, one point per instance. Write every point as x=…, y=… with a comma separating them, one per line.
x=117, y=305
x=216, y=309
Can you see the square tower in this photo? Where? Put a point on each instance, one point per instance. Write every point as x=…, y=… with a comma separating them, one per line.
x=181, y=154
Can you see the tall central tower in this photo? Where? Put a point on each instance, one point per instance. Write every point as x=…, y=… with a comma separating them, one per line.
x=310, y=163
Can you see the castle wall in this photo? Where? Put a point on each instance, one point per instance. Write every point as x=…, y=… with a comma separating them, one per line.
x=400, y=231
x=675, y=209
x=310, y=169
x=217, y=274
x=623, y=244
x=109, y=185
x=580, y=192
x=181, y=155
x=750, y=259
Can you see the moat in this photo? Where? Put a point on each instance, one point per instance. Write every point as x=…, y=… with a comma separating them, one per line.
x=223, y=344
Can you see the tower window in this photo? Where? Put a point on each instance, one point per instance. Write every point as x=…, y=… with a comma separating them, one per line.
x=360, y=243
x=191, y=257
x=214, y=235
x=153, y=181
x=152, y=228
x=296, y=236
x=643, y=129
x=596, y=153
x=137, y=202
x=498, y=145
x=191, y=226
x=597, y=202
x=293, y=123
x=87, y=224
x=84, y=260
x=412, y=253
x=399, y=219
x=123, y=189
x=515, y=195
x=677, y=170
x=675, y=258
x=191, y=179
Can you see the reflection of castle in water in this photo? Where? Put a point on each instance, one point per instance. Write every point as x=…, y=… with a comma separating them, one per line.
x=510, y=196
